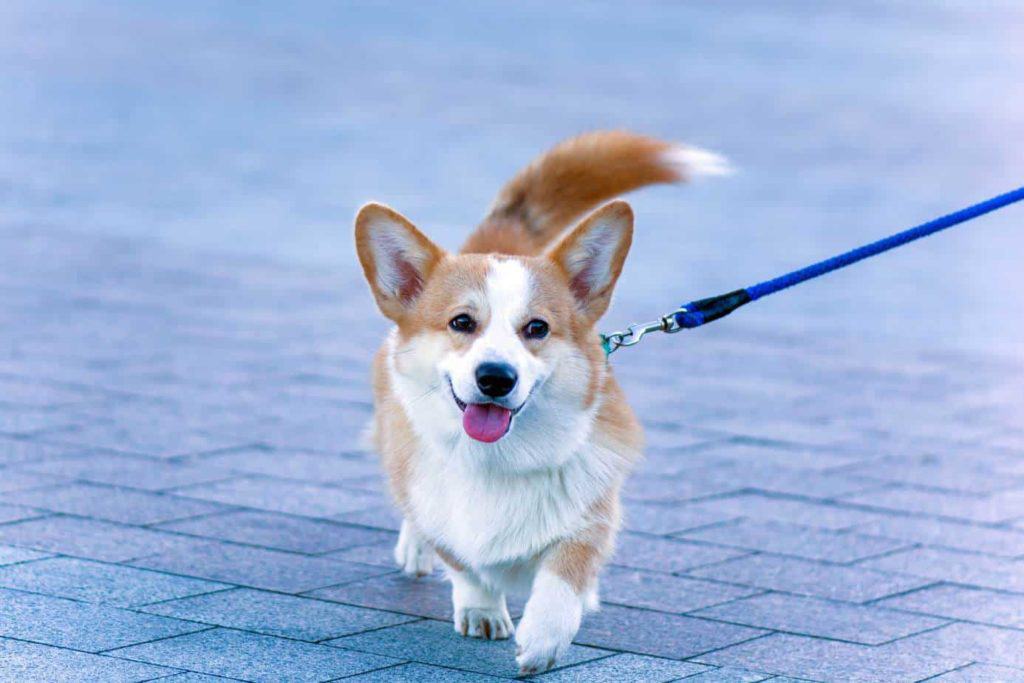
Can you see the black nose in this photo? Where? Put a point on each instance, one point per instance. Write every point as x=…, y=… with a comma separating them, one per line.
x=496, y=379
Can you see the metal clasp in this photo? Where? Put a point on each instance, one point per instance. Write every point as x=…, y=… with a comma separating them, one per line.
x=632, y=335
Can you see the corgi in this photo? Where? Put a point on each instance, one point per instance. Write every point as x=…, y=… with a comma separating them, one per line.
x=504, y=435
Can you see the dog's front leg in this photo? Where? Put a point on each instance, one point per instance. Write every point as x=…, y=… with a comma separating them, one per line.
x=413, y=553
x=480, y=612
x=565, y=584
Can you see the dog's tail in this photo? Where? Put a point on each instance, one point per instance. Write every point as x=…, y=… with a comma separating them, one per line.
x=577, y=175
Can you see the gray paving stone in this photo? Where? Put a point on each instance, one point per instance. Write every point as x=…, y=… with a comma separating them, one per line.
x=96, y=582
x=194, y=678
x=816, y=579
x=80, y=626
x=437, y=643
x=970, y=642
x=955, y=535
x=659, y=518
x=624, y=667
x=112, y=504
x=962, y=603
x=14, y=480
x=280, y=495
x=254, y=657
x=822, y=618
x=11, y=555
x=429, y=596
x=379, y=555
x=826, y=660
x=150, y=474
x=13, y=513
x=982, y=673
x=957, y=567
x=940, y=473
x=14, y=451
x=281, y=532
x=761, y=507
x=149, y=439
x=937, y=503
x=657, y=633
x=22, y=662
x=89, y=538
x=274, y=614
x=323, y=468
x=666, y=554
x=422, y=673
x=378, y=517
x=798, y=541
x=728, y=674
x=664, y=593
x=255, y=567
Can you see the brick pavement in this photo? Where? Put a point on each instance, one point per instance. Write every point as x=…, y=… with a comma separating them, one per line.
x=183, y=495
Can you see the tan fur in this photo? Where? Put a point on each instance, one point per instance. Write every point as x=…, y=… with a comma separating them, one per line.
x=577, y=560
x=574, y=176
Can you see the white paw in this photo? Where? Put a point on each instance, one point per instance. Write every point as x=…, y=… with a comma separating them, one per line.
x=486, y=623
x=414, y=555
x=542, y=640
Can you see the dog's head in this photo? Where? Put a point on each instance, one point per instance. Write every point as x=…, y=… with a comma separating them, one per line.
x=499, y=349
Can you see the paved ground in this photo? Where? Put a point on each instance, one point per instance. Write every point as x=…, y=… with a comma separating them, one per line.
x=834, y=488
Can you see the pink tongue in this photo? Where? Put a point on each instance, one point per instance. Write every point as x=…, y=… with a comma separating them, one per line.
x=485, y=421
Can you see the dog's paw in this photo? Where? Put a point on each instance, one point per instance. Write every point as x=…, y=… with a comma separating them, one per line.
x=540, y=642
x=414, y=555
x=489, y=624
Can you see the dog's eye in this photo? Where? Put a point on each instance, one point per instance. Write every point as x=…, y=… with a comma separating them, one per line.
x=462, y=323
x=536, y=329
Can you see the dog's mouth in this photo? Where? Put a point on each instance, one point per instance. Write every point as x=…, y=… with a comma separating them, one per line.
x=486, y=422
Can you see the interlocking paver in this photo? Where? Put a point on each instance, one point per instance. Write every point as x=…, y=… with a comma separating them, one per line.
x=100, y=582
x=88, y=538
x=324, y=468
x=655, y=518
x=816, y=579
x=967, y=568
x=274, y=614
x=113, y=504
x=960, y=602
x=762, y=507
x=987, y=644
x=421, y=673
x=728, y=674
x=280, y=495
x=938, y=503
x=80, y=626
x=148, y=439
x=253, y=657
x=281, y=532
x=658, y=634
x=982, y=673
x=14, y=480
x=624, y=667
x=827, y=660
x=256, y=567
x=665, y=593
x=666, y=554
x=948, y=534
x=434, y=642
x=822, y=618
x=13, y=513
x=22, y=662
x=425, y=597
x=799, y=541
x=11, y=555
x=114, y=469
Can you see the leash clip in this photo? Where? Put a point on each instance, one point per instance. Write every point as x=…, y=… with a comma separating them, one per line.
x=632, y=335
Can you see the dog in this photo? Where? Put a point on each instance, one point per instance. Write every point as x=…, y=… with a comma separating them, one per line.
x=504, y=435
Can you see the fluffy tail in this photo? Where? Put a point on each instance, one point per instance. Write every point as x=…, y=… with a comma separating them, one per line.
x=578, y=174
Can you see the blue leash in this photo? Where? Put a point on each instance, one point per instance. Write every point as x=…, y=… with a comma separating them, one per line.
x=701, y=311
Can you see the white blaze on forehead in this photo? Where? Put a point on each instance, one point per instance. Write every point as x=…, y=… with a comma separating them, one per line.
x=509, y=288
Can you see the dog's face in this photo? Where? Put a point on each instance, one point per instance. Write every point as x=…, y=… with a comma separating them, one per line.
x=489, y=347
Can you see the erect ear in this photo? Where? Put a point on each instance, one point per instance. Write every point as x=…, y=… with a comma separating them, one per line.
x=396, y=257
x=591, y=255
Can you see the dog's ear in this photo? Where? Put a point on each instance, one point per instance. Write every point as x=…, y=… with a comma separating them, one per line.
x=591, y=255
x=396, y=257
